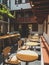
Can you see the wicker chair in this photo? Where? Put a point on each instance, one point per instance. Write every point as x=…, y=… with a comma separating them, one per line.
x=7, y=59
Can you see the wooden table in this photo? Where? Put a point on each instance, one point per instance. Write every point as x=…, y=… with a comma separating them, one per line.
x=35, y=40
x=34, y=37
x=27, y=56
x=32, y=44
x=8, y=36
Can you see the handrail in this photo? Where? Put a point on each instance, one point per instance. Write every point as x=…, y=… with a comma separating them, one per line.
x=1, y=21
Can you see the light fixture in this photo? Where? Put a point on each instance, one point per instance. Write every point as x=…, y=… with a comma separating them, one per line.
x=31, y=3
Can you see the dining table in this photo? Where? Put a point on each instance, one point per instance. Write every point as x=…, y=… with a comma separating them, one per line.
x=34, y=39
x=32, y=44
x=27, y=56
x=8, y=36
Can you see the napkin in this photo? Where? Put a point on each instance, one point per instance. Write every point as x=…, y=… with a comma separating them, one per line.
x=14, y=58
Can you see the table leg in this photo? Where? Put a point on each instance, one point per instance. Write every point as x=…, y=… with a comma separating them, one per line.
x=34, y=48
x=26, y=63
x=3, y=43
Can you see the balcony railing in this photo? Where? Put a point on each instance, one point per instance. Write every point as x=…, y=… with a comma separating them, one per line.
x=26, y=20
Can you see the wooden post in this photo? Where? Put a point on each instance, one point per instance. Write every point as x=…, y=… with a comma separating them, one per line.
x=8, y=25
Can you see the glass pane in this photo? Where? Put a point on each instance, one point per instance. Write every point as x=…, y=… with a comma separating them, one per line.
x=26, y=1
x=34, y=27
x=0, y=1
x=19, y=1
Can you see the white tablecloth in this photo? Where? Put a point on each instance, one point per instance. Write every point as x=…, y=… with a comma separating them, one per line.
x=27, y=52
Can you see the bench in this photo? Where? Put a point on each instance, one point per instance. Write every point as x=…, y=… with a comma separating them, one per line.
x=45, y=50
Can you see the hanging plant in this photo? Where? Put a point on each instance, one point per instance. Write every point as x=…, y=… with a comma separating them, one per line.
x=4, y=10
x=1, y=17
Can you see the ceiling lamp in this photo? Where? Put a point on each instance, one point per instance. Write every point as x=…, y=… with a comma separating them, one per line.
x=31, y=3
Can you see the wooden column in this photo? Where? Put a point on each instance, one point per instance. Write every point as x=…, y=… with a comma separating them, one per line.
x=8, y=25
x=47, y=25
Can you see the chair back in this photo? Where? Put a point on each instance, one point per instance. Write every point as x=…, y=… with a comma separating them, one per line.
x=6, y=51
x=19, y=43
x=6, y=57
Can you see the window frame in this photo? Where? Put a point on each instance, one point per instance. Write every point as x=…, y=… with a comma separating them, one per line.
x=18, y=1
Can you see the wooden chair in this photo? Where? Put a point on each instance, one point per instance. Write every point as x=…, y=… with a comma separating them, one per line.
x=20, y=47
x=7, y=59
x=19, y=44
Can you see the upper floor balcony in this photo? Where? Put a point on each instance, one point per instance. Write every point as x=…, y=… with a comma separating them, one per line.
x=18, y=4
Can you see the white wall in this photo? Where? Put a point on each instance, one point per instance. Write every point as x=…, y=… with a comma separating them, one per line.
x=23, y=5
x=40, y=28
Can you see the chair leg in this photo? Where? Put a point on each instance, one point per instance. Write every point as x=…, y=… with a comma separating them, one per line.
x=3, y=63
x=19, y=64
x=15, y=64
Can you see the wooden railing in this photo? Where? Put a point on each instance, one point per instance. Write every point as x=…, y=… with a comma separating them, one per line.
x=27, y=20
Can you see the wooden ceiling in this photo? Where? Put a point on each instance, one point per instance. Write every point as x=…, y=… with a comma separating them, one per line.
x=40, y=9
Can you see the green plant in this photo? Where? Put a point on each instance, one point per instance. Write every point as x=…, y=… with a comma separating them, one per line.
x=1, y=17
x=5, y=10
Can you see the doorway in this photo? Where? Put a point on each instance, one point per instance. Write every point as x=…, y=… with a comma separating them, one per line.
x=25, y=30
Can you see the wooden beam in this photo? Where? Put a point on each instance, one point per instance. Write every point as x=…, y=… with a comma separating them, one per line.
x=40, y=7
x=1, y=21
x=41, y=2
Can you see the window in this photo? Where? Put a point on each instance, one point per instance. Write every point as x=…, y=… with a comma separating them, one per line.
x=34, y=27
x=0, y=1
x=26, y=1
x=0, y=6
x=4, y=2
x=9, y=3
x=18, y=1
x=15, y=1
